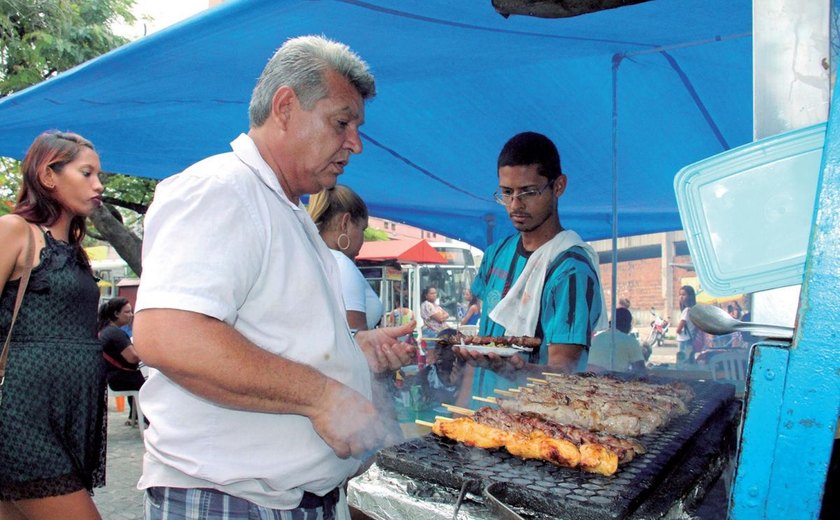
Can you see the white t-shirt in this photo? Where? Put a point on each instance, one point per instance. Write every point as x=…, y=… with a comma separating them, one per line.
x=688, y=331
x=357, y=292
x=627, y=351
x=222, y=239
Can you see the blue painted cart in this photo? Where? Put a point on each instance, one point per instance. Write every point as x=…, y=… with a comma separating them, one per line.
x=793, y=396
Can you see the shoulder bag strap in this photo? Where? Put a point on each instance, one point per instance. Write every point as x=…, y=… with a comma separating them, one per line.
x=24, y=281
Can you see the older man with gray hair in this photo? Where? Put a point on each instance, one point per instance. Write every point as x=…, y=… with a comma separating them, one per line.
x=260, y=398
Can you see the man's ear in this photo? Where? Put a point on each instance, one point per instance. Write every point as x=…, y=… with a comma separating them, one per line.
x=559, y=185
x=281, y=104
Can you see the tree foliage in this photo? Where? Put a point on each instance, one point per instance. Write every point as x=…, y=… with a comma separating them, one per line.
x=41, y=38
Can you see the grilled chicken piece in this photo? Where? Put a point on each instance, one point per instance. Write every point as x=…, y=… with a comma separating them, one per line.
x=596, y=458
x=539, y=446
x=471, y=433
x=529, y=445
x=625, y=449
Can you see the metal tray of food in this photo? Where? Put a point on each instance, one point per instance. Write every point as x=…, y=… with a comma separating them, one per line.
x=563, y=492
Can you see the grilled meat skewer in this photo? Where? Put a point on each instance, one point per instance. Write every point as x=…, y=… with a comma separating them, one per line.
x=624, y=449
x=500, y=341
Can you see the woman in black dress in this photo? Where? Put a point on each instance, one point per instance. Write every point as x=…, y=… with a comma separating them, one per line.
x=123, y=361
x=52, y=412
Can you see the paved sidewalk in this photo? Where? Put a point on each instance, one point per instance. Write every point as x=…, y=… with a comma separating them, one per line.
x=120, y=499
x=667, y=353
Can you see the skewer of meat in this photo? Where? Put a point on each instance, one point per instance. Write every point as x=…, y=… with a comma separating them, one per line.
x=617, y=412
x=624, y=449
x=535, y=444
x=602, y=403
x=608, y=384
x=592, y=413
x=500, y=341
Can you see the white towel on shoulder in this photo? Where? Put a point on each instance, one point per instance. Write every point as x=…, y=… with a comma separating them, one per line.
x=519, y=310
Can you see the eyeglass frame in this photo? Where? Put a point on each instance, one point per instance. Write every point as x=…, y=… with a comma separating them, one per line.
x=523, y=196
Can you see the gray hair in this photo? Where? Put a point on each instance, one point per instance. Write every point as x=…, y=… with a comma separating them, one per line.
x=301, y=63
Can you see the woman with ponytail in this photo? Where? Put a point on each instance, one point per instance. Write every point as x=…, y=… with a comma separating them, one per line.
x=342, y=216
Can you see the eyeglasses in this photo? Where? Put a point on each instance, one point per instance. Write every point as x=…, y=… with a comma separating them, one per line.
x=505, y=196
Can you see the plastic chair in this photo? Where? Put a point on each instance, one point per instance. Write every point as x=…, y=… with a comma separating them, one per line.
x=730, y=367
x=135, y=394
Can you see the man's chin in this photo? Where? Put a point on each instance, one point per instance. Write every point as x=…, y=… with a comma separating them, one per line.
x=326, y=183
x=523, y=226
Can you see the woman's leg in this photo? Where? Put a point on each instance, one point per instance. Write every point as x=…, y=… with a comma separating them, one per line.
x=132, y=412
x=77, y=505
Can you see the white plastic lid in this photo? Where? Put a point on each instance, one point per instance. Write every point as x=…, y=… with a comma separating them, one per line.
x=747, y=213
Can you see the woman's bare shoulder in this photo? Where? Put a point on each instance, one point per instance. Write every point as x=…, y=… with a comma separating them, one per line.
x=13, y=226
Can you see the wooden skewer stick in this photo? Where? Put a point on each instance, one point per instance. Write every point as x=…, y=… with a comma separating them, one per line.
x=457, y=409
x=506, y=393
x=424, y=423
x=485, y=399
x=538, y=381
x=442, y=418
x=552, y=374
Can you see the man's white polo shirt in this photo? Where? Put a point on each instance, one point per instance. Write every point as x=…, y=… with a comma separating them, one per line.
x=222, y=239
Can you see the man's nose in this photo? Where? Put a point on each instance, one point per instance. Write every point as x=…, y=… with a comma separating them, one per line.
x=354, y=141
x=516, y=201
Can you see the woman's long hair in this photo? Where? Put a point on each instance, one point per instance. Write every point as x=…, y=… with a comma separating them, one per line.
x=692, y=297
x=473, y=300
x=108, y=311
x=36, y=203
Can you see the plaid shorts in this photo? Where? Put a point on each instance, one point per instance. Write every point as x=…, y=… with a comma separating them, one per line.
x=164, y=503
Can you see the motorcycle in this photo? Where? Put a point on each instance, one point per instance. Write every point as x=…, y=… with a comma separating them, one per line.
x=658, y=329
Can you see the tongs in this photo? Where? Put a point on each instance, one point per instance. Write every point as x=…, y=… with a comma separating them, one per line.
x=499, y=509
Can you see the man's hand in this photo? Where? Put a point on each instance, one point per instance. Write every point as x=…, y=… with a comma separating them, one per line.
x=348, y=423
x=383, y=349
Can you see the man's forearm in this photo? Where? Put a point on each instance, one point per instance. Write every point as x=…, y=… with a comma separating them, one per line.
x=212, y=360
x=562, y=358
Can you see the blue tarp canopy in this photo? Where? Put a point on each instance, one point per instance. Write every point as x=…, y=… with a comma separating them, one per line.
x=629, y=94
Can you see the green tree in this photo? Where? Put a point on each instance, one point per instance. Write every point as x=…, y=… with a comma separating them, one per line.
x=41, y=38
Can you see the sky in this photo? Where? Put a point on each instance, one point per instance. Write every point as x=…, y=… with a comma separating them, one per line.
x=154, y=15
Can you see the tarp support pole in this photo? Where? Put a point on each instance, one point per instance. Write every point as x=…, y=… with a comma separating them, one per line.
x=616, y=62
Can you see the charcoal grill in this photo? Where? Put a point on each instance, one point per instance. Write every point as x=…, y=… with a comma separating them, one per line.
x=682, y=459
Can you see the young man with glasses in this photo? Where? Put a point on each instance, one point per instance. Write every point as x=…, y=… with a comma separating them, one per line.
x=541, y=282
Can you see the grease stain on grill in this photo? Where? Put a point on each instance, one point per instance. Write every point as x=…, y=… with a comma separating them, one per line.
x=562, y=492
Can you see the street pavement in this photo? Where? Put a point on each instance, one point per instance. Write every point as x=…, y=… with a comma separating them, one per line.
x=120, y=499
x=667, y=353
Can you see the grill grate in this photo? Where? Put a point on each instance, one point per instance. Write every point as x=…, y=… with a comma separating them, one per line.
x=546, y=488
